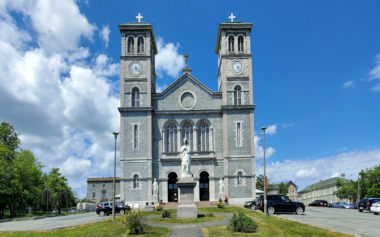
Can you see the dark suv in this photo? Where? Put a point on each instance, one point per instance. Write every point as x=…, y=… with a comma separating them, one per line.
x=105, y=208
x=319, y=203
x=365, y=203
x=280, y=203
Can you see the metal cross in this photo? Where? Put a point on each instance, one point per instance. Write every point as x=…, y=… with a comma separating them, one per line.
x=139, y=17
x=186, y=56
x=232, y=17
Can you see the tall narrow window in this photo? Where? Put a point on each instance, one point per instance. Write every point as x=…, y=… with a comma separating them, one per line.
x=135, y=97
x=187, y=131
x=171, y=138
x=230, y=44
x=238, y=134
x=240, y=44
x=140, y=45
x=131, y=45
x=240, y=178
x=135, y=136
x=203, y=137
x=135, y=181
x=237, y=95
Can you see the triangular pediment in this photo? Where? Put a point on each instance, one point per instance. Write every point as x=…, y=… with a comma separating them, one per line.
x=180, y=81
x=187, y=93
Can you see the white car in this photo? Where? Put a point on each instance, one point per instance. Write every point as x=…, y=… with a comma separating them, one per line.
x=375, y=208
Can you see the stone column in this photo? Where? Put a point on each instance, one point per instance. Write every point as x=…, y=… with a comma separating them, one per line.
x=186, y=208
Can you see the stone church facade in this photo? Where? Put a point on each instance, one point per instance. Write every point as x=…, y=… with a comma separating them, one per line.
x=219, y=125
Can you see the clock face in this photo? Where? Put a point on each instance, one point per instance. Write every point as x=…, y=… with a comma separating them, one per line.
x=237, y=67
x=135, y=69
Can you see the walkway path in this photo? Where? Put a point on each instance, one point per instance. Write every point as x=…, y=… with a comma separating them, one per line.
x=191, y=229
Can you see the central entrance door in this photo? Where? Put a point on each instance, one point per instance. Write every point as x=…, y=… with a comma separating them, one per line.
x=204, y=187
x=172, y=187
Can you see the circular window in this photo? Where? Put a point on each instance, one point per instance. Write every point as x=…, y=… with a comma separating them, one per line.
x=187, y=100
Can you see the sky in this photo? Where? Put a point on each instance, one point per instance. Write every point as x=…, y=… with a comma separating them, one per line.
x=316, y=79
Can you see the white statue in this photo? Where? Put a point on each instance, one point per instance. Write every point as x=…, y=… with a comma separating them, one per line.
x=221, y=185
x=155, y=187
x=185, y=159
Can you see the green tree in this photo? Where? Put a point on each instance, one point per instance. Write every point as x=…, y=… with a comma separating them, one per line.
x=8, y=136
x=60, y=193
x=347, y=189
x=260, y=183
x=370, y=182
x=282, y=189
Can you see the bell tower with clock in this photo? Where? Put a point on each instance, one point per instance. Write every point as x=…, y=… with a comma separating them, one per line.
x=233, y=48
x=137, y=84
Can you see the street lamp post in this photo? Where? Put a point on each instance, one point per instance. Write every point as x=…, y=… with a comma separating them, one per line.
x=114, y=179
x=358, y=190
x=265, y=177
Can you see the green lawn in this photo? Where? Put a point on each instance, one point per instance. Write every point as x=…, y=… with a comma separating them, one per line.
x=102, y=228
x=267, y=226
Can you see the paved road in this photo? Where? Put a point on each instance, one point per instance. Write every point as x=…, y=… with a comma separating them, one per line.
x=51, y=222
x=349, y=221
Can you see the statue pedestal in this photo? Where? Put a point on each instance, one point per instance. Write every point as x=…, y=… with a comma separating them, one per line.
x=186, y=208
x=155, y=198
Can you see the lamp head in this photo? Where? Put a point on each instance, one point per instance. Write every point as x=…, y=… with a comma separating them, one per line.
x=115, y=134
x=263, y=129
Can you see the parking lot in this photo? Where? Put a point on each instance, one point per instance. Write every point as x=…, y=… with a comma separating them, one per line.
x=349, y=221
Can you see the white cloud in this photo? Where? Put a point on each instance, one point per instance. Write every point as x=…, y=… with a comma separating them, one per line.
x=259, y=150
x=168, y=59
x=161, y=88
x=57, y=94
x=288, y=125
x=348, y=84
x=272, y=129
x=304, y=172
x=105, y=35
x=375, y=72
x=376, y=88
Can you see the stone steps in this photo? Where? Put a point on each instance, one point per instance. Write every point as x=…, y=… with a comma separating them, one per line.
x=198, y=204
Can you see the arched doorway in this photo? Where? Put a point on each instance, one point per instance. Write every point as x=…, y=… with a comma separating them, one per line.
x=172, y=187
x=204, y=190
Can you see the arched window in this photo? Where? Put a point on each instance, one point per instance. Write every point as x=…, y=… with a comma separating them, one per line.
x=187, y=131
x=240, y=178
x=135, y=97
x=203, y=137
x=240, y=44
x=140, y=45
x=171, y=138
x=237, y=95
x=230, y=44
x=131, y=45
x=135, y=181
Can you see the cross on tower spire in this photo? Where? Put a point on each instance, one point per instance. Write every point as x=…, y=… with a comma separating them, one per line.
x=232, y=17
x=186, y=56
x=139, y=17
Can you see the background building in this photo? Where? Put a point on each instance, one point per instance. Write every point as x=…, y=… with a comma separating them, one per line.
x=322, y=190
x=292, y=190
x=100, y=189
x=219, y=125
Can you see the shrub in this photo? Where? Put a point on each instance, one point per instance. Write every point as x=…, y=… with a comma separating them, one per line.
x=220, y=205
x=242, y=223
x=159, y=208
x=134, y=222
x=166, y=214
x=29, y=215
x=209, y=214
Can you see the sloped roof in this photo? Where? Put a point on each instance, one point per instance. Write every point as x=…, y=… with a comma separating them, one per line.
x=276, y=185
x=321, y=184
x=185, y=76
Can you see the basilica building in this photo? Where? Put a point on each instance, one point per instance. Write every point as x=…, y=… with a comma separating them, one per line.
x=218, y=125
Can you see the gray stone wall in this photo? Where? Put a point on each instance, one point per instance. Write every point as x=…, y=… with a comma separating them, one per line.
x=100, y=187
